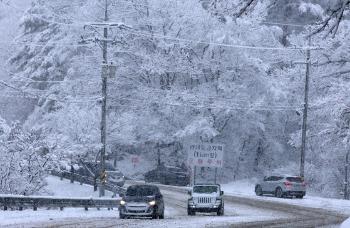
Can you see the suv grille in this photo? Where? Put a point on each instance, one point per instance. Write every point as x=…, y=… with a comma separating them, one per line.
x=204, y=200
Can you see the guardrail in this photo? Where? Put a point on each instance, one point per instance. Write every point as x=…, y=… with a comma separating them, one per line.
x=35, y=202
x=86, y=180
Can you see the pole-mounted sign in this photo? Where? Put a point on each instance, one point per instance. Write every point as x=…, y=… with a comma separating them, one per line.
x=206, y=155
x=109, y=70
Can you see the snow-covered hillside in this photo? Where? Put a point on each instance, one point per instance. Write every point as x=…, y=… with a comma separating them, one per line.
x=227, y=72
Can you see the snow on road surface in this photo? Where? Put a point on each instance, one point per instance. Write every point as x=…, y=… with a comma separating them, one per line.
x=345, y=224
x=58, y=188
x=28, y=218
x=175, y=213
x=245, y=188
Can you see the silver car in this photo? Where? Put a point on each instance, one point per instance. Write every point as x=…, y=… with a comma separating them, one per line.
x=282, y=186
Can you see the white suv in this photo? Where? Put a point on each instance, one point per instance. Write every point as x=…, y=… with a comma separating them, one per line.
x=281, y=186
x=205, y=198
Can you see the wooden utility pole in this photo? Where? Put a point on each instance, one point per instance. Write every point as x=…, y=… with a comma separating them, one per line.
x=104, y=105
x=346, y=180
x=306, y=106
x=108, y=70
x=158, y=155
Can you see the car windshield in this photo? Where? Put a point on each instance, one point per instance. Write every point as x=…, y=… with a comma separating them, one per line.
x=205, y=189
x=115, y=173
x=140, y=191
x=295, y=179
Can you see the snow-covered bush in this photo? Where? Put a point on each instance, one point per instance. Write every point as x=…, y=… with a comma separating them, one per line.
x=24, y=159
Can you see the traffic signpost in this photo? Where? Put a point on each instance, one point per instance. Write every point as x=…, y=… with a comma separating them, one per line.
x=205, y=155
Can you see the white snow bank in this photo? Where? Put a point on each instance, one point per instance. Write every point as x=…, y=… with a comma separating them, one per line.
x=63, y=188
x=246, y=188
x=345, y=224
x=44, y=215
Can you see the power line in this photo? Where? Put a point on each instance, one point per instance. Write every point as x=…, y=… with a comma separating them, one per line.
x=42, y=44
x=284, y=24
x=46, y=98
x=212, y=106
x=208, y=99
x=222, y=44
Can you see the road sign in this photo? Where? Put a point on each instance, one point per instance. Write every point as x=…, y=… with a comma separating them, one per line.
x=206, y=155
x=135, y=160
x=109, y=70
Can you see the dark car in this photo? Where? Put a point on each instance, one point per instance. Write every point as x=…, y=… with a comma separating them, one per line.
x=168, y=175
x=142, y=201
x=92, y=169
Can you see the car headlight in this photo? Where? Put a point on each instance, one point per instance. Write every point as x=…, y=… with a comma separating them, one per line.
x=122, y=202
x=152, y=203
x=218, y=201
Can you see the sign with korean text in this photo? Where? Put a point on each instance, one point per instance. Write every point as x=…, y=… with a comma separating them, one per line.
x=206, y=155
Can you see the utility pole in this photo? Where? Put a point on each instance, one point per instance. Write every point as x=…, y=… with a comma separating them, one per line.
x=346, y=181
x=108, y=70
x=158, y=155
x=104, y=105
x=306, y=106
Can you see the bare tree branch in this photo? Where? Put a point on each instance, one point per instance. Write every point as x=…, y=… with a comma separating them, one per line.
x=337, y=14
x=245, y=8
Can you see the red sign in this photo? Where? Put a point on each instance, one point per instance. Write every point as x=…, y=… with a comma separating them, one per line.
x=135, y=160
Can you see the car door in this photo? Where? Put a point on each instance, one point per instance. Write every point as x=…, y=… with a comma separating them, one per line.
x=273, y=183
x=265, y=184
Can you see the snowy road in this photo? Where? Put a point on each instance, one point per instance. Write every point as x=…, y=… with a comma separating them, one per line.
x=175, y=216
x=239, y=212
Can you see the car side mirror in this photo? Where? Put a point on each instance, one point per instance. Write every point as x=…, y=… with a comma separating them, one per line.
x=189, y=192
x=221, y=193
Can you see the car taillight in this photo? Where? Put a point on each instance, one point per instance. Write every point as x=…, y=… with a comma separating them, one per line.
x=303, y=184
x=288, y=184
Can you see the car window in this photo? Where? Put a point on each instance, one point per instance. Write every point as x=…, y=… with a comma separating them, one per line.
x=174, y=169
x=295, y=179
x=275, y=178
x=205, y=189
x=268, y=178
x=115, y=173
x=141, y=191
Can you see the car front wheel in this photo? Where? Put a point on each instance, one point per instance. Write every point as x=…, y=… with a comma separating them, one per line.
x=258, y=190
x=161, y=216
x=190, y=212
x=121, y=216
x=220, y=211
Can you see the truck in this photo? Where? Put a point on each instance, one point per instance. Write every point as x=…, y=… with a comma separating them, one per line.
x=205, y=198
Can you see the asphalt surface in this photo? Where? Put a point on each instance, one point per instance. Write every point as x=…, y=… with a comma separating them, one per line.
x=239, y=212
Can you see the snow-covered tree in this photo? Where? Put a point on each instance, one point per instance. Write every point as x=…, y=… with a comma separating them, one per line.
x=219, y=70
x=24, y=161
